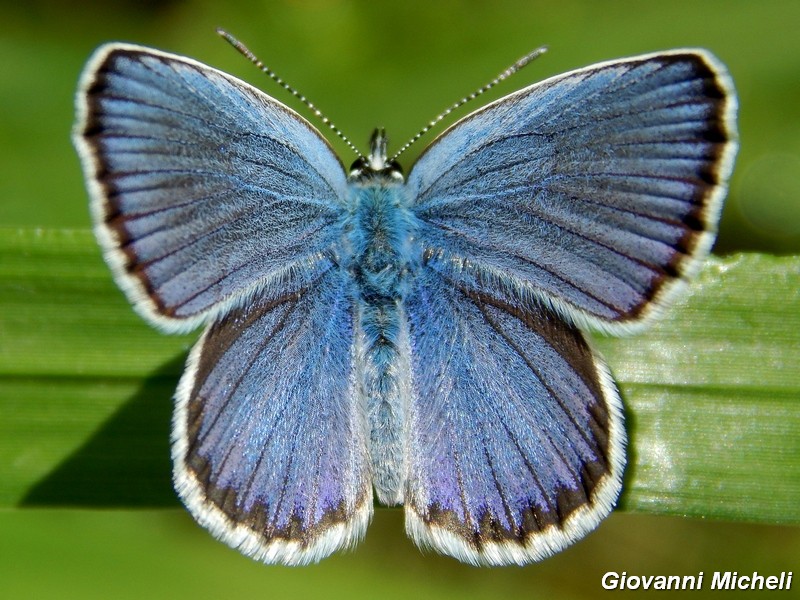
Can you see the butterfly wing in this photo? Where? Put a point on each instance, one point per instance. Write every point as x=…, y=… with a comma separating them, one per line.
x=214, y=202
x=516, y=444
x=205, y=191
x=595, y=192
x=269, y=442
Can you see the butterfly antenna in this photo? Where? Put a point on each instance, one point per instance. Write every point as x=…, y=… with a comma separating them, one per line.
x=525, y=60
x=245, y=51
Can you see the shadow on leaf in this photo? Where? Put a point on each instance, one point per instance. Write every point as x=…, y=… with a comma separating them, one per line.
x=126, y=463
x=629, y=475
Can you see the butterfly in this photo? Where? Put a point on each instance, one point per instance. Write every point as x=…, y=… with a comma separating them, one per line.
x=420, y=341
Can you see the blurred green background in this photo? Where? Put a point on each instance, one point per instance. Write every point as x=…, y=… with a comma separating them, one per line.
x=392, y=64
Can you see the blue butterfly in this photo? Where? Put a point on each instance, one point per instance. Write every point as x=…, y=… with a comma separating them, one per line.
x=420, y=340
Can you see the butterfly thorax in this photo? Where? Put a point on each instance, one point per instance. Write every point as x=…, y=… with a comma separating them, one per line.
x=381, y=259
x=380, y=227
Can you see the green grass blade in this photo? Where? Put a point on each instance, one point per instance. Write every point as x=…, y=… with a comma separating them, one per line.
x=712, y=391
x=713, y=396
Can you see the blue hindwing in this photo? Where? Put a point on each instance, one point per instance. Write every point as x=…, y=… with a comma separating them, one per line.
x=516, y=435
x=269, y=439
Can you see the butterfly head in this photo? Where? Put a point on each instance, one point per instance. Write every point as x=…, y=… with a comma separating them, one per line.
x=376, y=165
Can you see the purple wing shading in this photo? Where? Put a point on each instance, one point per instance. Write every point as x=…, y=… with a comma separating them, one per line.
x=516, y=437
x=269, y=442
x=596, y=192
x=204, y=189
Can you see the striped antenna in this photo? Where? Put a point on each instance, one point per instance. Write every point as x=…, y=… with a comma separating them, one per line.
x=525, y=60
x=270, y=73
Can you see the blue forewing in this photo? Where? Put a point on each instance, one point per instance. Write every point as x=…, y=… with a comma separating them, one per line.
x=420, y=341
x=596, y=191
x=204, y=190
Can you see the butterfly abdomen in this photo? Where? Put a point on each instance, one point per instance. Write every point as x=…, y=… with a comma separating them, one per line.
x=379, y=238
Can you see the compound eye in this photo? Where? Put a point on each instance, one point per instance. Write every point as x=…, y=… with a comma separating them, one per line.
x=393, y=167
x=360, y=165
